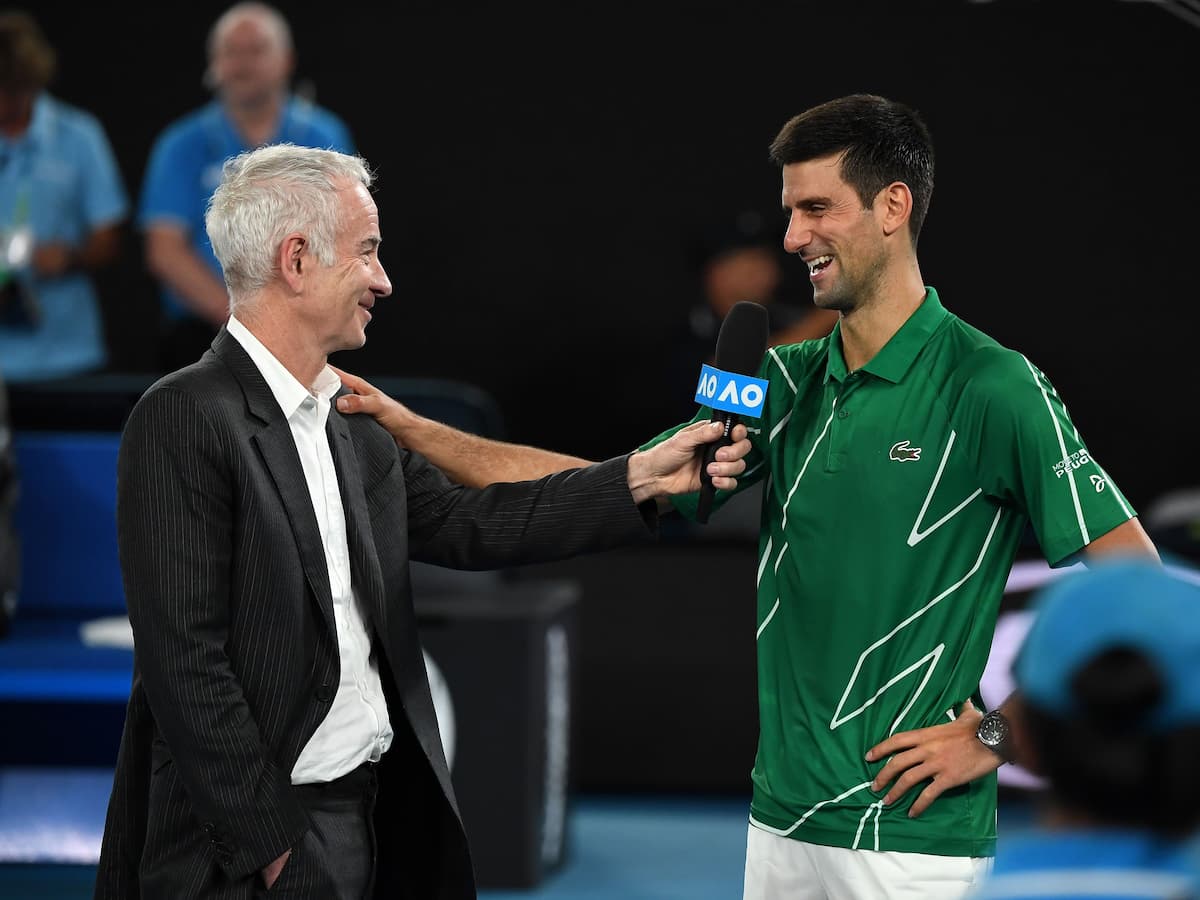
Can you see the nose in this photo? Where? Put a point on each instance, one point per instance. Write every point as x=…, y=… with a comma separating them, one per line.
x=381, y=285
x=797, y=236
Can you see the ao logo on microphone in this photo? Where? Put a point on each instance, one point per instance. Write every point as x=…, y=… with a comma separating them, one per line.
x=731, y=392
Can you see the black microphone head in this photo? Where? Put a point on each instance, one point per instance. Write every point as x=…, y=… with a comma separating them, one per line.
x=742, y=340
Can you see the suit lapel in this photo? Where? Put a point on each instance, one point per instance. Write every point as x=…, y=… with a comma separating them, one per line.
x=363, y=560
x=274, y=440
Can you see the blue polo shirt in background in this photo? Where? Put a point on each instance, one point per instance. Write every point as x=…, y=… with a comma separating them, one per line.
x=1083, y=864
x=60, y=177
x=185, y=168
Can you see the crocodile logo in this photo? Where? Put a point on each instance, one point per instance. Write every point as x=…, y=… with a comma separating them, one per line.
x=901, y=452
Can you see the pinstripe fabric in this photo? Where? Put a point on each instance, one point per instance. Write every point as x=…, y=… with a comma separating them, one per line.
x=236, y=655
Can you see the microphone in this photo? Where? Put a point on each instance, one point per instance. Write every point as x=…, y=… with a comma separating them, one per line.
x=729, y=386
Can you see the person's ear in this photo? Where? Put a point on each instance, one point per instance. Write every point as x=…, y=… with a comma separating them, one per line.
x=894, y=205
x=293, y=260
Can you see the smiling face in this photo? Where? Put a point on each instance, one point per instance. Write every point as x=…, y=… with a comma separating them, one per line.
x=843, y=244
x=340, y=296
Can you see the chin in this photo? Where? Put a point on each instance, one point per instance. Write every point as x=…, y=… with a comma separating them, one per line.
x=348, y=342
x=834, y=302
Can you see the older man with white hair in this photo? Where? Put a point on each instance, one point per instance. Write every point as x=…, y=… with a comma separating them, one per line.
x=280, y=726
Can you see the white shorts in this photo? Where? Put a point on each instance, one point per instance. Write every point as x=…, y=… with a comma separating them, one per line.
x=780, y=868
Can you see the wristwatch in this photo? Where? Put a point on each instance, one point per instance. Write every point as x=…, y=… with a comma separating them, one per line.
x=993, y=732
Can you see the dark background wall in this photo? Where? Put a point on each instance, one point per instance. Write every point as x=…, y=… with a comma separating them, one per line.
x=541, y=170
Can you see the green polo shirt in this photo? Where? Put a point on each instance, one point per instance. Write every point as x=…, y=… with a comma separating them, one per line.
x=894, y=505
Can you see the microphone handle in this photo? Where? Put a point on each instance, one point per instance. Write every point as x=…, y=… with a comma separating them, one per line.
x=707, y=491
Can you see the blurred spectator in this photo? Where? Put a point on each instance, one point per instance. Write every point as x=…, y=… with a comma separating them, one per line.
x=1109, y=685
x=250, y=66
x=61, y=208
x=9, y=548
x=734, y=260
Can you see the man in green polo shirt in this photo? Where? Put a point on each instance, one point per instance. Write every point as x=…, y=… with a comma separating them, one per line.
x=903, y=456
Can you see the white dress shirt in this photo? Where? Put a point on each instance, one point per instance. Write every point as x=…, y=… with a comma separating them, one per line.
x=356, y=728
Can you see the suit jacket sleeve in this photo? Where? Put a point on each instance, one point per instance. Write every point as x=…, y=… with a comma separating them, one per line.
x=561, y=515
x=175, y=529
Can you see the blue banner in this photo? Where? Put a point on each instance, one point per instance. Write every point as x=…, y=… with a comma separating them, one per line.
x=730, y=392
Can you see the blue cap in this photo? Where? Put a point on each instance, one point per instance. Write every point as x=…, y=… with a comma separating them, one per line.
x=1126, y=603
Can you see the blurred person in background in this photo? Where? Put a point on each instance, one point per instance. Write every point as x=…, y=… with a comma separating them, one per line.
x=740, y=257
x=1108, y=680
x=10, y=557
x=251, y=60
x=62, y=204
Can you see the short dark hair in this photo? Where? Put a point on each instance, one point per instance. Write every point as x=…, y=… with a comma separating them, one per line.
x=1104, y=762
x=26, y=58
x=881, y=141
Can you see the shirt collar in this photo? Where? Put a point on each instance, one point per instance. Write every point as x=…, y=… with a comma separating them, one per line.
x=289, y=393
x=41, y=124
x=234, y=137
x=895, y=358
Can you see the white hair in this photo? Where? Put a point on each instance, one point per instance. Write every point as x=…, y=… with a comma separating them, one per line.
x=271, y=17
x=265, y=195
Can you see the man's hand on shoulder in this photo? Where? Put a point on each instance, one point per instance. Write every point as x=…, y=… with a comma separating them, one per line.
x=389, y=412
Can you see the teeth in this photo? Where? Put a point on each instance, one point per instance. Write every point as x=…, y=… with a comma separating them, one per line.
x=817, y=263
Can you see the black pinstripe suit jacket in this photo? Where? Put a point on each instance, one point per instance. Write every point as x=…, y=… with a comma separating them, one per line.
x=236, y=655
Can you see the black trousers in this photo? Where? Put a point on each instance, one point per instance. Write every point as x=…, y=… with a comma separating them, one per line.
x=336, y=859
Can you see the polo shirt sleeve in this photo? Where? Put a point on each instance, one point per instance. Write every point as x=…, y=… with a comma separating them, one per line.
x=339, y=136
x=104, y=200
x=1028, y=453
x=171, y=182
x=316, y=126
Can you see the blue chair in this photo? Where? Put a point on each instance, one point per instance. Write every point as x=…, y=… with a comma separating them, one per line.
x=63, y=700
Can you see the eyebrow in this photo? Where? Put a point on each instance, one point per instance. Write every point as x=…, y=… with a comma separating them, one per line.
x=809, y=203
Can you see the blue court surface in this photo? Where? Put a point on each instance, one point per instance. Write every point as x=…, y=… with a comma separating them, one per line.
x=629, y=847
x=635, y=848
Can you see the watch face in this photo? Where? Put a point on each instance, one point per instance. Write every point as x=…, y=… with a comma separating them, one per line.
x=993, y=729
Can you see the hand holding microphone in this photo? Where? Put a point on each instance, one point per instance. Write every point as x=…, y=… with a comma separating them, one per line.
x=729, y=386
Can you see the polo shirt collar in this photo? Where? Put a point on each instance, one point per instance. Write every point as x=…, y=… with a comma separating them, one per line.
x=41, y=125
x=278, y=134
x=896, y=356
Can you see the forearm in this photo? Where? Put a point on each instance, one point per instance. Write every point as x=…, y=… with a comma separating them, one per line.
x=468, y=459
x=514, y=523
x=1127, y=539
x=177, y=265
x=57, y=259
x=100, y=249
x=476, y=461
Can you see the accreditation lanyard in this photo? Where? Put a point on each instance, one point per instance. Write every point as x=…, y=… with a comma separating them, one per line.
x=16, y=182
x=19, y=307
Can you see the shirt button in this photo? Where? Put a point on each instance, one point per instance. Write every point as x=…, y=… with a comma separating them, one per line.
x=842, y=413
